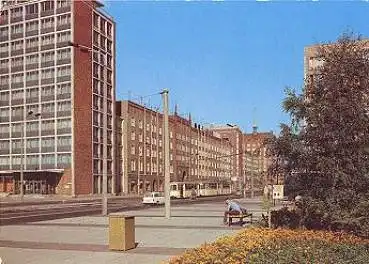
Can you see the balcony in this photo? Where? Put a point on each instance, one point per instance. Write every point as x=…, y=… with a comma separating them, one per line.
x=48, y=114
x=47, y=46
x=16, y=150
x=4, y=38
x=5, y=150
x=47, y=63
x=63, y=78
x=17, y=118
x=32, y=150
x=4, y=102
x=17, y=68
x=31, y=33
x=66, y=130
x=32, y=83
x=31, y=66
x=16, y=134
x=5, y=135
x=45, y=149
x=4, y=54
x=5, y=167
x=47, y=166
x=64, y=148
x=47, y=97
x=16, y=52
x=4, y=20
x=47, y=29
x=64, y=113
x=16, y=36
x=17, y=85
x=18, y=101
x=31, y=16
x=64, y=61
x=64, y=96
x=47, y=132
x=63, y=43
x=32, y=99
x=32, y=133
x=62, y=27
x=47, y=12
x=31, y=49
x=16, y=19
x=47, y=81
x=63, y=9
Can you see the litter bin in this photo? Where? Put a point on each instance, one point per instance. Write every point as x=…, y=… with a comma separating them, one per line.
x=121, y=232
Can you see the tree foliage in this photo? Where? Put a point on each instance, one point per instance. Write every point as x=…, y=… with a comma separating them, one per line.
x=326, y=159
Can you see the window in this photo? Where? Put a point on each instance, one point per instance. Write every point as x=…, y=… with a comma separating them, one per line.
x=133, y=123
x=32, y=43
x=63, y=106
x=4, y=80
x=133, y=165
x=32, y=126
x=64, y=123
x=32, y=93
x=64, y=141
x=64, y=88
x=64, y=54
x=63, y=71
x=47, y=23
x=48, y=159
x=32, y=59
x=64, y=158
x=17, y=78
x=32, y=26
x=4, y=32
x=32, y=9
x=63, y=3
x=96, y=20
x=102, y=25
x=64, y=37
x=32, y=76
x=17, y=95
x=4, y=47
x=47, y=91
x=47, y=5
x=17, y=111
x=109, y=76
x=133, y=150
x=96, y=38
x=17, y=45
x=16, y=62
x=63, y=20
x=47, y=125
x=4, y=96
x=109, y=46
x=47, y=57
x=47, y=74
x=47, y=40
x=109, y=29
x=4, y=129
x=16, y=12
x=17, y=29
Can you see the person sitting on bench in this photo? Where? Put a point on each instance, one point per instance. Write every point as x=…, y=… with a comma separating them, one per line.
x=233, y=208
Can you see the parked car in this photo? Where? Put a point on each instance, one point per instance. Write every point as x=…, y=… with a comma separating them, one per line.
x=153, y=198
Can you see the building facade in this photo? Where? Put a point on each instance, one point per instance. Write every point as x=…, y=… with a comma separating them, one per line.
x=195, y=154
x=255, y=161
x=58, y=98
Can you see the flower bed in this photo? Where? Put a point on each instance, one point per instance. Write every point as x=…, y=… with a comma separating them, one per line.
x=261, y=245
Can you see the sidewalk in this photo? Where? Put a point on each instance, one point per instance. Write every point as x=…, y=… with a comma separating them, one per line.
x=85, y=239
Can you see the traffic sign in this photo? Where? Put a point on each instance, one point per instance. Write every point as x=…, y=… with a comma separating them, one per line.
x=278, y=192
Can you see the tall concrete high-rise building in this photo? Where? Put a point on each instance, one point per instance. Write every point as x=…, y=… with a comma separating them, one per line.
x=57, y=94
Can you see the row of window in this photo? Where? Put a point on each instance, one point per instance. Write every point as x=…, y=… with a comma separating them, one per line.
x=45, y=108
x=46, y=125
x=61, y=141
x=45, y=23
x=31, y=93
x=101, y=24
x=33, y=9
x=102, y=42
x=33, y=42
x=34, y=59
x=99, y=88
x=62, y=158
x=63, y=71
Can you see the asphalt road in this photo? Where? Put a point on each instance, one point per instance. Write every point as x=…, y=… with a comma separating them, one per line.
x=25, y=212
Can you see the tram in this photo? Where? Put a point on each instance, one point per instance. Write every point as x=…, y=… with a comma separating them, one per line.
x=184, y=189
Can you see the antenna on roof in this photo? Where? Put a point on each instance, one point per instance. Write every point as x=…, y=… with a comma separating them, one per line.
x=254, y=125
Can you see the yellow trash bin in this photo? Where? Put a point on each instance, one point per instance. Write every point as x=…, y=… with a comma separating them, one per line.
x=121, y=232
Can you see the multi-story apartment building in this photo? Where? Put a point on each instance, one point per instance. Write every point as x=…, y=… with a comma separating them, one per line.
x=195, y=154
x=58, y=97
x=255, y=161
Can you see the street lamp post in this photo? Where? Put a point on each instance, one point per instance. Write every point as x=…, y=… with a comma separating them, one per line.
x=30, y=113
x=104, y=205
x=164, y=94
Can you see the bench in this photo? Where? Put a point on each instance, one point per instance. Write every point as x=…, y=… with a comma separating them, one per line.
x=240, y=216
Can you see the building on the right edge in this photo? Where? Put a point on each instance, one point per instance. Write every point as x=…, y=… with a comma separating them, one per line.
x=255, y=161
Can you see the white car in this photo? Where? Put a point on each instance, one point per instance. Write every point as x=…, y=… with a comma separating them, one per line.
x=153, y=198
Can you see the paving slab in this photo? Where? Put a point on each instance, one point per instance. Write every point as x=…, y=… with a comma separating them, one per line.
x=85, y=239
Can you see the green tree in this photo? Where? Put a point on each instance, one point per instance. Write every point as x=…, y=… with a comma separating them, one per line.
x=326, y=159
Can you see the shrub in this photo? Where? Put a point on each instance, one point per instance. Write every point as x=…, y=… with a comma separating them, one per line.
x=285, y=218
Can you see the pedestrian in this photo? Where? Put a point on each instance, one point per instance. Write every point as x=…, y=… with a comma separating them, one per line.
x=233, y=208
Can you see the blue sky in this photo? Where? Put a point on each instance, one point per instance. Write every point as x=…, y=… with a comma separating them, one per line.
x=224, y=62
